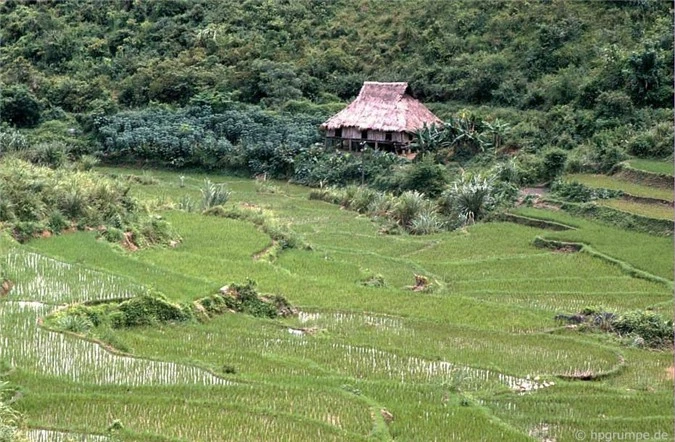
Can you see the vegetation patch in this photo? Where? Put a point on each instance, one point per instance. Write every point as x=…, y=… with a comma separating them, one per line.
x=577, y=192
x=37, y=201
x=100, y=319
x=465, y=201
x=637, y=328
x=245, y=299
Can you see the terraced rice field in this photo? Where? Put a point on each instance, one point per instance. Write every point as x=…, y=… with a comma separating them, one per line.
x=610, y=182
x=653, y=166
x=659, y=211
x=480, y=357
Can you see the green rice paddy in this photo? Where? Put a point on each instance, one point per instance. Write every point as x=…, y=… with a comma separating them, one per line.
x=479, y=357
x=610, y=182
x=654, y=166
x=659, y=211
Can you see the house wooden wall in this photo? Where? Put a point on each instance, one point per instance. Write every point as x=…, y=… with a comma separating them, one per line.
x=373, y=135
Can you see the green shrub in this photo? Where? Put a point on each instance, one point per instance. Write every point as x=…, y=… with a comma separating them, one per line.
x=654, y=143
x=26, y=230
x=381, y=204
x=423, y=176
x=18, y=106
x=362, y=199
x=54, y=154
x=151, y=308
x=654, y=330
x=245, y=299
x=554, y=163
x=530, y=169
x=86, y=162
x=11, y=140
x=113, y=234
x=74, y=323
x=57, y=222
x=153, y=230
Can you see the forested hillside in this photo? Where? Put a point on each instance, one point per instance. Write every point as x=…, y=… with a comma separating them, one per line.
x=594, y=77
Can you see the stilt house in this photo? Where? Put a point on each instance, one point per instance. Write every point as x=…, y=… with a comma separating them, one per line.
x=384, y=116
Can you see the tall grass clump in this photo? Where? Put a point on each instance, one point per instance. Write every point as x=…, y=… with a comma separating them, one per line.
x=214, y=194
x=427, y=222
x=362, y=199
x=36, y=199
x=471, y=197
x=409, y=206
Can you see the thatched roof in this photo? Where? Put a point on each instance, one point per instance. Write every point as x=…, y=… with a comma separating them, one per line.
x=383, y=106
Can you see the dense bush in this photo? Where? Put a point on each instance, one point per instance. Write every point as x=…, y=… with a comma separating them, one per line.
x=422, y=176
x=18, y=106
x=531, y=78
x=554, y=163
x=245, y=299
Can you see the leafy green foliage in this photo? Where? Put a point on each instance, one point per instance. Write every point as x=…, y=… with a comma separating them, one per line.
x=554, y=162
x=532, y=76
x=19, y=107
x=422, y=176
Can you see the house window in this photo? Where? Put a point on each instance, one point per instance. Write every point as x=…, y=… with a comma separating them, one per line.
x=387, y=136
x=338, y=132
x=364, y=134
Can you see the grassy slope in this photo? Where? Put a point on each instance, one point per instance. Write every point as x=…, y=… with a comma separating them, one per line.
x=494, y=296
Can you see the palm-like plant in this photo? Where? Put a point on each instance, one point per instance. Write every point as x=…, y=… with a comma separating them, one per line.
x=214, y=194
